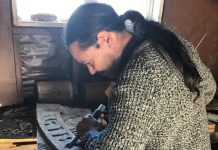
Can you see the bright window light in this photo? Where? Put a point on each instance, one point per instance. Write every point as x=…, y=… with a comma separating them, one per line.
x=61, y=8
x=122, y=6
x=24, y=10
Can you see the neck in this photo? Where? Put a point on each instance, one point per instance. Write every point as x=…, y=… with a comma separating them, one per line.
x=123, y=38
x=121, y=41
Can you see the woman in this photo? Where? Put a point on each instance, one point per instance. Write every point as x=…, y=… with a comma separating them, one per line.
x=161, y=88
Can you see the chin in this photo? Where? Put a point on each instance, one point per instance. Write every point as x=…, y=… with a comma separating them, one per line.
x=109, y=74
x=112, y=71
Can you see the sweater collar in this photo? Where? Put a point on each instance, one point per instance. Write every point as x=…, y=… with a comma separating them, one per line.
x=127, y=53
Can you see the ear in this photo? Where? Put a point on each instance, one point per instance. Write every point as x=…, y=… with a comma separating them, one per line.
x=104, y=38
x=73, y=47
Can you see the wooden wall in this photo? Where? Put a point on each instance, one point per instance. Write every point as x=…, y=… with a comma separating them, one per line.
x=193, y=19
x=10, y=80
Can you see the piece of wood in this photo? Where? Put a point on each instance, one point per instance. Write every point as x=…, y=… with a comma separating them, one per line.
x=54, y=129
x=9, y=83
x=7, y=146
x=211, y=127
x=17, y=144
x=59, y=130
x=198, y=19
x=55, y=92
x=17, y=140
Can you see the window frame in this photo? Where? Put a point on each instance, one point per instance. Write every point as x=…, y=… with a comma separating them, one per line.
x=154, y=4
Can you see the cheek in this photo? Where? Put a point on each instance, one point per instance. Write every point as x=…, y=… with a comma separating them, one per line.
x=103, y=63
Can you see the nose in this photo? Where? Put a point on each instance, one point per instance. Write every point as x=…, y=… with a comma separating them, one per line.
x=91, y=69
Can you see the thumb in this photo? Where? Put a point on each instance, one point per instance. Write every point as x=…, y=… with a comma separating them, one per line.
x=101, y=121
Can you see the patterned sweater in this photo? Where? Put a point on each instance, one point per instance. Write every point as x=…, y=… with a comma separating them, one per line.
x=150, y=107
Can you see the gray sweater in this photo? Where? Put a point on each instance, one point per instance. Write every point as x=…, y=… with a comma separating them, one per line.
x=150, y=108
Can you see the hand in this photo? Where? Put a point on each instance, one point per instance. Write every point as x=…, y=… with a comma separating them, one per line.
x=101, y=121
x=88, y=123
x=80, y=143
x=109, y=89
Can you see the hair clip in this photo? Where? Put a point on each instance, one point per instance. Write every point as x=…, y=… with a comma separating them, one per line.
x=129, y=25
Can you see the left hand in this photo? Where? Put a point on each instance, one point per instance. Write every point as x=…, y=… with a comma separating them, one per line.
x=109, y=89
x=88, y=123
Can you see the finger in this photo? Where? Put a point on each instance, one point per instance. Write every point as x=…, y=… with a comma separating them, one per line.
x=101, y=116
x=101, y=121
x=87, y=116
x=104, y=123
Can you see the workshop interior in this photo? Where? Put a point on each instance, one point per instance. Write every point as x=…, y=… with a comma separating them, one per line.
x=44, y=92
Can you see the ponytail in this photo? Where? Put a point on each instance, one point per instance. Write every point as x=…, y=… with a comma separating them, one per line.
x=150, y=30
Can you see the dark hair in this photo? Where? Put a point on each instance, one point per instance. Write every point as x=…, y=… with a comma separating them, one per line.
x=87, y=20
x=161, y=36
x=85, y=23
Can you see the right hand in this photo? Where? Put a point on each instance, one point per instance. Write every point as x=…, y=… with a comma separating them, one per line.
x=102, y=122
x=87, y=123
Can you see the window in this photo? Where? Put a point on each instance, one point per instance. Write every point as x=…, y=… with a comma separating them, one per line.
x=54, y=13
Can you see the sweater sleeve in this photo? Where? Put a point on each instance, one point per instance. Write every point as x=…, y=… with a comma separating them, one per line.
x=207, y=86
x=132, y=111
